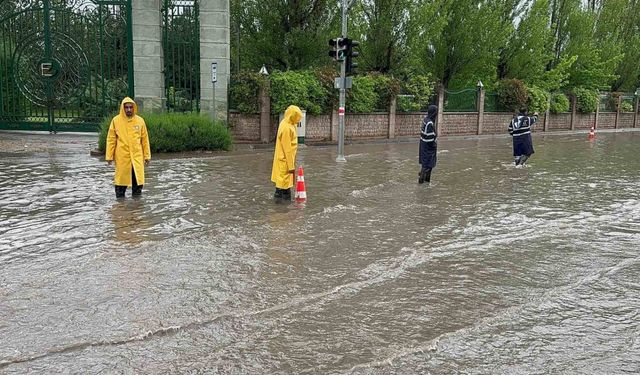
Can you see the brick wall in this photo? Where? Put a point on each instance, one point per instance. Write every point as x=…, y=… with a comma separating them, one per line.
x=496, y=123
x=606, y=120
x=376, y=125
x=559, y=121
x=318, y=128
x=625, y=120
x=245, y=127
x=408, y=124
x=584, y=121
x=460, y=123
x=366, y=125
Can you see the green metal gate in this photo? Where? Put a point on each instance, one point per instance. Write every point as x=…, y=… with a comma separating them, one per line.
x=64, y=64
x=181, y=51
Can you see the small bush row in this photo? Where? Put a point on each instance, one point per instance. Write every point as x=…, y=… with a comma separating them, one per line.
x=178, y=132
x=313, y=91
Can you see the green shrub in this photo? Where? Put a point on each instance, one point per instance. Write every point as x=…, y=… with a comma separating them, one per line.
x=626, y=106
x=177, y=132
x=512, y=94
x=300, y=88
x=387, y=88
x=419, y=90
x=538, y=100
x=407, y=103
x=586, y=100
x=363, y=97
x=244, y=92
x=327, y=76
x=559, y=103
x=180, y=100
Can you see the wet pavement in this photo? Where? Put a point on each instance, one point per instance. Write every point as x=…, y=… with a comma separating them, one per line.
x=489, y=270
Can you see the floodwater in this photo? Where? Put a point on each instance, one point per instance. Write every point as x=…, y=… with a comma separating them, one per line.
x=489, y=270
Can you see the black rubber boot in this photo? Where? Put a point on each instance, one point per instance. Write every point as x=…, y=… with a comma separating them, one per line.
x=427, y=175
x=120, y=190
x=277, y=196
x=286, y=195
x=136, y=189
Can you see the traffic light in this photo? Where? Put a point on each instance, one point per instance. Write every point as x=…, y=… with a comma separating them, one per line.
x=351, y=44
x=339, y=51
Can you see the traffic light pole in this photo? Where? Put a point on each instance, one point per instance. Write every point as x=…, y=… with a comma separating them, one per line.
x=343, y=73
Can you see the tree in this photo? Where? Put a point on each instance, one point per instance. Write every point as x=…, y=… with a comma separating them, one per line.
x=383, y=25
x=618, y=29
x=596, y=61
x=281, y=34
x=468, y=46
x=529, y=50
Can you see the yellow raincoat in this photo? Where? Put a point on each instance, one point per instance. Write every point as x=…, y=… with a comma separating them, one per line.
x=284, y=156
x=128, y=144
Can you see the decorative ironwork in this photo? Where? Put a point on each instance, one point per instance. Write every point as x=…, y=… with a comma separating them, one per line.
x=67, y=71
x=64, y=64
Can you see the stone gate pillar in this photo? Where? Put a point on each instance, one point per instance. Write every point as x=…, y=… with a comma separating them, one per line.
x=147, y=54
x=214, y=47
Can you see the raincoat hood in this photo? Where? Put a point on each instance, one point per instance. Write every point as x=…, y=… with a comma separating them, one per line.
x=293, y=115
x=128, y=100
x=432, y=112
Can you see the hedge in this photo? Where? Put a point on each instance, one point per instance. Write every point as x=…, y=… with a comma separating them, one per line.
x=178, y=132
x=559, y=103
x=586, y=100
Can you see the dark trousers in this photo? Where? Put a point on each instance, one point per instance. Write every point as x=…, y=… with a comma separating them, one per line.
x=136, y=189
x=282, y=195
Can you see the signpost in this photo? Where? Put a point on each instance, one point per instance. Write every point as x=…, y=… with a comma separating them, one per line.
x=214, y=79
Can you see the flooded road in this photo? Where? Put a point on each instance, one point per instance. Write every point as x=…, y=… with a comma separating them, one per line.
x=489, y=270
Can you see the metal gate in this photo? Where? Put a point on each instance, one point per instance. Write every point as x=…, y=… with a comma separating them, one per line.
x=64, y=64
x=181, y=51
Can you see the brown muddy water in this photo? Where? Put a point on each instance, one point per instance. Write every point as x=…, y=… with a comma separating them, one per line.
x=489, y=270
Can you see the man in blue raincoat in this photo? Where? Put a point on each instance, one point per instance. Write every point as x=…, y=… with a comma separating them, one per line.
x=428, y=145
x=520, y=130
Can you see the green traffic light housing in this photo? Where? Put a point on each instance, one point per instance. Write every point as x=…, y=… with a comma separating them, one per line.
x=351, y=54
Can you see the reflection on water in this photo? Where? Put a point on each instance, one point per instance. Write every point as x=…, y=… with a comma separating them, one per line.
x=129, y=222
x=490, y=269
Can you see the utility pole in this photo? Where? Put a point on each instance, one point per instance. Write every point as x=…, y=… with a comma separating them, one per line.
x=343, y=72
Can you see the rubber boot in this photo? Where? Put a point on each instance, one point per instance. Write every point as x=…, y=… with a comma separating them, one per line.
x=120, y=190
x=427, y=175
x=286, y=195
x=277, y=196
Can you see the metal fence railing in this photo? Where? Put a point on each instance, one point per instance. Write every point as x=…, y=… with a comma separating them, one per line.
x=461, y=101
x=492, y=103
x=181, y=47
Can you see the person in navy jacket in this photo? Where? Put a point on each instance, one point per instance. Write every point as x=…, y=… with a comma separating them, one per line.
x=428, y=145
x=520, y=130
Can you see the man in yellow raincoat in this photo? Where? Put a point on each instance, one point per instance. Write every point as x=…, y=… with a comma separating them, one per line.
x=284, y=156
x=128, y=146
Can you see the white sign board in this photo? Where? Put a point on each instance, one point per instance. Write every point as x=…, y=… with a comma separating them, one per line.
x=214, y=72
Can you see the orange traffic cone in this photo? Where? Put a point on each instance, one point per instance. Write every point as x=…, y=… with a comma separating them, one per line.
x=301, y=192
x=592, y=134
